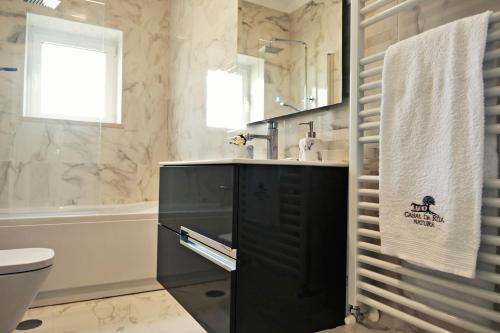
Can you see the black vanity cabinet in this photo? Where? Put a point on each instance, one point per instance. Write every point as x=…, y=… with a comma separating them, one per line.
x=253, y=247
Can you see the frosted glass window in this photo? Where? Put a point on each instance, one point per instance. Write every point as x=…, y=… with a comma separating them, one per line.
x=73, y=82
x=73, y=71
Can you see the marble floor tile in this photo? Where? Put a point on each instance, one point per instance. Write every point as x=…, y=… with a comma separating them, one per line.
x=153, y=312
x=352, y=329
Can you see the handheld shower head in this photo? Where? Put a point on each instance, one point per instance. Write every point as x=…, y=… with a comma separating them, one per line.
x=283, y=103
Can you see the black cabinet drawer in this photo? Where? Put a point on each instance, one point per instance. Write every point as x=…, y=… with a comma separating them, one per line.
x=199, y=198
x=204, y=289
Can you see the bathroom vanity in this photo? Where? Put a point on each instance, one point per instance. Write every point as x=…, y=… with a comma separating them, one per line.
x=255, y=246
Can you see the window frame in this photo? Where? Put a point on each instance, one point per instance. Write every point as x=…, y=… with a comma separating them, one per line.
x=44, y=29
x=252, y=70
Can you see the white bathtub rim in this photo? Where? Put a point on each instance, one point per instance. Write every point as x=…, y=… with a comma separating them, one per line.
x=136, y=207
x=143, y=212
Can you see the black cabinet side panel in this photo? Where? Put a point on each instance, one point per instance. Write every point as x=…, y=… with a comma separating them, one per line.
x=292, y=226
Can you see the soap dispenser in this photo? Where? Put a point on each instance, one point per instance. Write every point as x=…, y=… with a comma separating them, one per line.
x=310, y=147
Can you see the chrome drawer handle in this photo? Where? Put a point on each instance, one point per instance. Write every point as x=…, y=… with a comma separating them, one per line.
x=215, y=257
x=225, y=250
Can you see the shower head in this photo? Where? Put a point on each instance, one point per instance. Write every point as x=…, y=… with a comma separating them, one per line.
x=292, y=41
x=46, y=3
x=268, y=47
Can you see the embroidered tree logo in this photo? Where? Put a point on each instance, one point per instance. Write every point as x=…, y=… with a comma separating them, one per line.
x=427, y=202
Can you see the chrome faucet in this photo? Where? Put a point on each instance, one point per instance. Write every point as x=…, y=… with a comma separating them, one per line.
x=271, y=137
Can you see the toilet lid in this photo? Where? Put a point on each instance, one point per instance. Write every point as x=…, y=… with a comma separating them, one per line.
x=24, y=260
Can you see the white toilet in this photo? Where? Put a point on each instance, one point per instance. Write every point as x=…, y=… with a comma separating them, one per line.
x=22, y=272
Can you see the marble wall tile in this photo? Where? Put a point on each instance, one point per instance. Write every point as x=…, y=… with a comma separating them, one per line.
x=87, y=163
x=75, y=184
x=202, y=38
x=37, y=141
x=7, y=133
x=25, y=184
x=118, y=182
x=4, y=184
x=147, y=180
x=79, y=144
x=435, y=13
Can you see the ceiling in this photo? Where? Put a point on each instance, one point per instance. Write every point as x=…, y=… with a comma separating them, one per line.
x=286, y=6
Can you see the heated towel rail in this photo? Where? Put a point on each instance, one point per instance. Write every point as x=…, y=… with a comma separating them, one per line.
x=429, y=300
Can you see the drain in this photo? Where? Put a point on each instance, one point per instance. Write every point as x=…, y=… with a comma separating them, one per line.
x=29, y=324
x=215, y=293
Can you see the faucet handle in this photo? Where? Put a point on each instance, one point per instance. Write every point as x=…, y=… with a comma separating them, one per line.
x=238, y=140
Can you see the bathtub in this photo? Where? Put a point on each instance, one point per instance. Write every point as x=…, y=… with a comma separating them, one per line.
x=100, y=251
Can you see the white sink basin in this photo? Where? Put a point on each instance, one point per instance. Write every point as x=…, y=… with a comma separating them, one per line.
x=251, y=161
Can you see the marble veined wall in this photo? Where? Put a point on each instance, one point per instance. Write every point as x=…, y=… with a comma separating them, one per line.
x=47, y=164
x=202, y=40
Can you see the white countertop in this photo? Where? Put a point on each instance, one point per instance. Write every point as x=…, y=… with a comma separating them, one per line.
x=251, y=161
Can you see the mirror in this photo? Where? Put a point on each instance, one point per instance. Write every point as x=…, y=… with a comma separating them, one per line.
x=289, y=55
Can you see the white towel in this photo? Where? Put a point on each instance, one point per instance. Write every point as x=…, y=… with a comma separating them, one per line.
x=432, y=146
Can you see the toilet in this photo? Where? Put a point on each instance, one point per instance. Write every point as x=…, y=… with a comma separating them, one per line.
x=22, y=272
